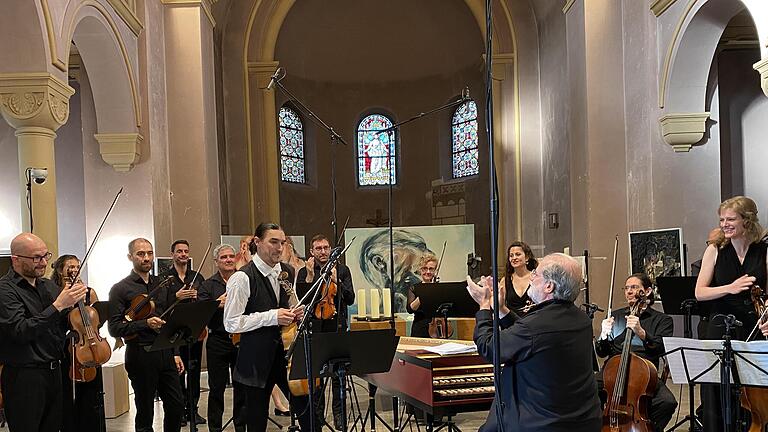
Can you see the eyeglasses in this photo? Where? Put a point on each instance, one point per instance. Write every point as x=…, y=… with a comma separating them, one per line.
x=37, y=259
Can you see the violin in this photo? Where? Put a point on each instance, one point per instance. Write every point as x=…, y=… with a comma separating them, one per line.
x=143, y=305
x=326, y=307
x=89, y=348
x=755, y=399
x=78, y=372
x=630, y=383
x=299, y=387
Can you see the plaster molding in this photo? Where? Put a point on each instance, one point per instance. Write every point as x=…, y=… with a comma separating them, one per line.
x=658, y=7
x=568, y=4
x=666, y=69
x=120, y=150
x=683, y=130
x=263, y=72
x=762, y=68
x=500, y=64
x=34, y=100
x=204, y=4
x=52, y=38
x=126, y=10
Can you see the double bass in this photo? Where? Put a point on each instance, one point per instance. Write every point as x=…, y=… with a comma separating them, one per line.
x=630, y=380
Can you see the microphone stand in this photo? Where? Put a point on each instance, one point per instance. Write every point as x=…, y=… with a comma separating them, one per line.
x=335, y=138
x=305, y=328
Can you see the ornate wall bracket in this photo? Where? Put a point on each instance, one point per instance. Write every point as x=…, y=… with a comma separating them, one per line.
x=683, y=130
x=34, y=100
x=762, y=68
x=120, y=150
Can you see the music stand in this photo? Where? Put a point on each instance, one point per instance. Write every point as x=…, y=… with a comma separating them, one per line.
x=183, y=326
x=446, y=298
x=346, y=353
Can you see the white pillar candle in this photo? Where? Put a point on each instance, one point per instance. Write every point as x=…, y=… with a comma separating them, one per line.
x=361, y=303
x=386, y=300
x=374, y=303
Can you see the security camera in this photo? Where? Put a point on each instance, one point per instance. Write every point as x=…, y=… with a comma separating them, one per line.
x=39, y=175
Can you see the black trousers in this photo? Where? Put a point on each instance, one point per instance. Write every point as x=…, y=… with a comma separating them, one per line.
x=192, y=358
x=33, y=398
x=222, y=356
x=257, y=398
x=86, y=411
x=151, y=373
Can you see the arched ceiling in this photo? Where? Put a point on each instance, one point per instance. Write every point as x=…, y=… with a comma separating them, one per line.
x=378, y=41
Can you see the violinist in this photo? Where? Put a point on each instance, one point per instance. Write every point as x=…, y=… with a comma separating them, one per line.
x=220, y=350
x=85, y=406
x=427, y=268
x=155, y=372
x=547, y=378
x=320, y=251
x=730, y=267
x=181, y=289
x=33, y=324
x=517, y=277
x=256, y=307
x=649, y=328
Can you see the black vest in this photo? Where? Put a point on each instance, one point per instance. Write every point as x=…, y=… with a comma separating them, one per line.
x=259, y=348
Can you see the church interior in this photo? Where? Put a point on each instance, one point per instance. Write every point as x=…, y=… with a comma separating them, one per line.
x=608, y=117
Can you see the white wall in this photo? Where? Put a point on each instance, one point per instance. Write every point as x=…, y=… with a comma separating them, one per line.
x=10, y=205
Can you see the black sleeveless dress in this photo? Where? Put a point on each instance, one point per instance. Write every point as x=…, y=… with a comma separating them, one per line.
x=728, y=269
x=515, y=302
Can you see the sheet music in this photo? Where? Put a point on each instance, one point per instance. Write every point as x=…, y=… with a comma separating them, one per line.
x=698, y=361
x=451, y=348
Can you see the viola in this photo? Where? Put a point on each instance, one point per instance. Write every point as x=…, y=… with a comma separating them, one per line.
x=90, y=350
x=78, y=372
x=630, y=382
x=755, y=399
x=440, y=328
x=326, y=307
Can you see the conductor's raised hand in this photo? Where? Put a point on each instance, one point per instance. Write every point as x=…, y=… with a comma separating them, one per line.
x=285, y=316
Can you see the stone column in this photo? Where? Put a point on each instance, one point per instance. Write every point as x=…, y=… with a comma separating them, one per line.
x=191, y=112
x=36, y=105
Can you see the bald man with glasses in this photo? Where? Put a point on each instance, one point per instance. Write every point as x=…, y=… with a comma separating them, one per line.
x=32, y=337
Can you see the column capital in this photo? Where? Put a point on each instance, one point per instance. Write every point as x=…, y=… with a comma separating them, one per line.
x=120, y=150
x=263, y=72
x=762, y=68
x=683, y=130
x=34, y=100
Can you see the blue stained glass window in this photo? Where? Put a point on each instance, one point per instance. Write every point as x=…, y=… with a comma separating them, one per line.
x=465, y=143
x=291, y=146
x=376, y=151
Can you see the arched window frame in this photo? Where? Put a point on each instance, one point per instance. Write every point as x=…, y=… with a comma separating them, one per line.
x=464, y=141
x=364, y=158
x=293, y=157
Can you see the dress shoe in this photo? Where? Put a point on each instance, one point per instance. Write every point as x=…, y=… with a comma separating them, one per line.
x=282, y=413
x=199, y=419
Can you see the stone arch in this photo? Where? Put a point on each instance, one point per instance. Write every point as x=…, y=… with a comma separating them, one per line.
x=28, y=42
x=261, y=30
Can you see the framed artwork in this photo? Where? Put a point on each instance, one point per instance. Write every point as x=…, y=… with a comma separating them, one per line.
x=657, y=252
x=162, y=264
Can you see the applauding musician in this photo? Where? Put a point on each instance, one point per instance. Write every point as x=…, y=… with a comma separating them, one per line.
x=221, y=352
x=32, y=329
x=649, y=329
x=155, y=372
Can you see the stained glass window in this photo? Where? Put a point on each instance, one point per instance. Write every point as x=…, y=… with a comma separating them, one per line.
x=291, y=146
x=376, y=151
x=464, y=132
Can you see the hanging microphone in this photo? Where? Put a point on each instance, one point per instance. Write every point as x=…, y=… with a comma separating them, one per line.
x=274, y=78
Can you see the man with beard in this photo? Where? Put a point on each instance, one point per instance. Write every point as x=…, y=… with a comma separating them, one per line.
x=320, y=249
x=222, y=353
x=181, y=289
x=32, y=330
x=155, y=372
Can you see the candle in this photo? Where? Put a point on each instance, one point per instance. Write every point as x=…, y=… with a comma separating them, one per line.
x=374, y=304
x=361, y=303
x=386, y=300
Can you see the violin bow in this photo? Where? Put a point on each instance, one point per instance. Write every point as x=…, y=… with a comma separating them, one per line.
x=96, y=237
x=613, y=276
x=440, y=263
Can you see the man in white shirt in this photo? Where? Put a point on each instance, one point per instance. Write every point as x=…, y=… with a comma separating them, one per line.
x=257, y=306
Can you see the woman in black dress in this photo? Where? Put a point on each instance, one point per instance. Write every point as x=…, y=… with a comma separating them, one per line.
x=520, y=264
x=427, y=270
x=85, y=409
x=729, y=268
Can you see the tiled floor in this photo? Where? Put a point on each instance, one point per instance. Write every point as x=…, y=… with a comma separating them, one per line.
x=466, y=422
